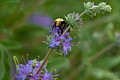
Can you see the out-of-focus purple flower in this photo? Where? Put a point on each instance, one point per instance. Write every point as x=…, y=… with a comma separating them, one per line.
x=29, y=71
x=40, y=20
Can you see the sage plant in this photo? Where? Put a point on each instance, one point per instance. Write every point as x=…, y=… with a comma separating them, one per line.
x=58, y=40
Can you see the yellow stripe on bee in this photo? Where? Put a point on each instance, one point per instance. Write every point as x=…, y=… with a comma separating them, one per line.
x=58, y=20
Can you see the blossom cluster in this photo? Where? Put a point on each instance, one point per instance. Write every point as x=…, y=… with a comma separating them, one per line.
x=91, y=9
x=29, y=71
x=59, y=41
x=74, y=20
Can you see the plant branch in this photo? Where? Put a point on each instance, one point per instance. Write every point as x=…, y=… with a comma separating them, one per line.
x=44, y=61
x=82, y=14
x=65, y=31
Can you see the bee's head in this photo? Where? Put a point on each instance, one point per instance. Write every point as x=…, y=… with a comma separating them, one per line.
x=58, y=21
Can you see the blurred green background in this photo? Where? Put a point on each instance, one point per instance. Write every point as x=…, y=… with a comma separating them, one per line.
x=24, y=25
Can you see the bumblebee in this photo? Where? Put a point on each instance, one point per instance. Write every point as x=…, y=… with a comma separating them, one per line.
x=61, y=24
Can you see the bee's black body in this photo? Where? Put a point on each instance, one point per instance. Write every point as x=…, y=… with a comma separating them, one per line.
x=61, y=24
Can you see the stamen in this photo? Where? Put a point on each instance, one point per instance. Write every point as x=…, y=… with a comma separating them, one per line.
x=27, y=57
x=55, y=78
x=42, y=72
x=24, y=59
x=74, y=37
x=75, y=43
x=38, y=58
x=54, y=70
x=16, y=61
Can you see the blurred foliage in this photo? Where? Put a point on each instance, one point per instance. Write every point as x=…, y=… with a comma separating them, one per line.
x=96, y=58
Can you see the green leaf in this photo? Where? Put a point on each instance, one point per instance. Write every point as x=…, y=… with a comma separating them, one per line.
x=11, y=44
x=104, y=74
x=109, y=62
x=5, y=64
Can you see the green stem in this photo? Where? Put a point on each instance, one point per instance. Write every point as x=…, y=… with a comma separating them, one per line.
x=14, y=76
x=45, y=60
x=82, y=14
x=65, y=31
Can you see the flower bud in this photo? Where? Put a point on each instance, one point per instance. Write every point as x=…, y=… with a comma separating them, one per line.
x=74, y=20
x=102, y=7
x=90, y=8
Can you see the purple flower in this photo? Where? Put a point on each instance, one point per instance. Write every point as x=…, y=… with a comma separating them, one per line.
x=29, y=70
x=26, y=71
x=56, y=39
x=55, y=42
x=47, y=76
x=23, y=71
x=67, y=45
x=60, y=41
